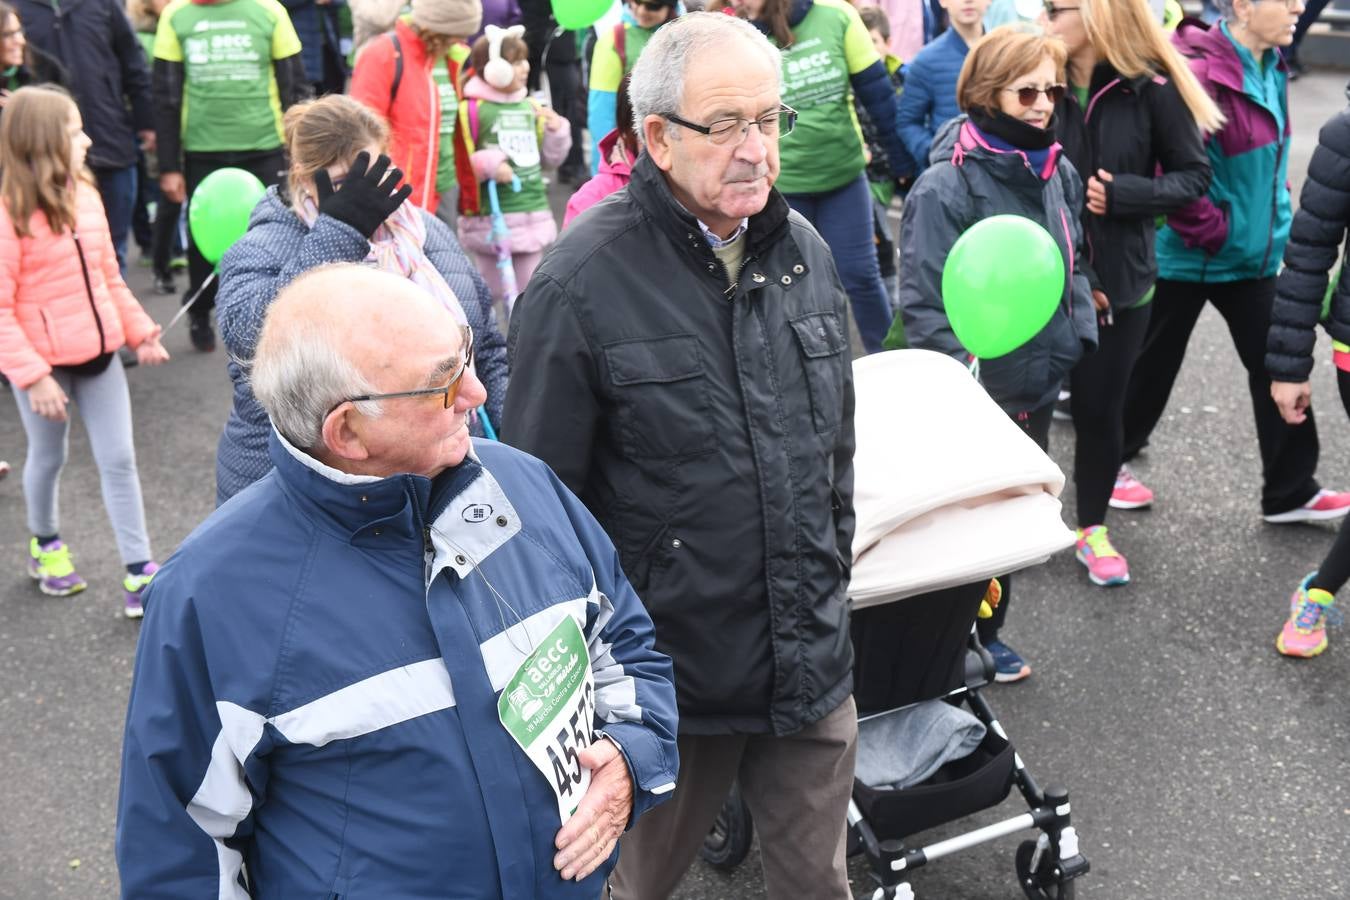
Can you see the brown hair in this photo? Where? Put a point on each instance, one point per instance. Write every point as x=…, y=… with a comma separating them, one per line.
x=330, y=130
x=775, y=15
x=437, y=45
x=1000, y=56
x=874, y=18
x=514, y=49
x=35, y=170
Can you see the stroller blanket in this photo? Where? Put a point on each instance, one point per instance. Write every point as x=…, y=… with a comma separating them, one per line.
x=906, y=746
x=947, y=489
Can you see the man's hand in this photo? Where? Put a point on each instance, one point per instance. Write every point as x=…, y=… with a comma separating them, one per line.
x=173, y=187
x=1293, y=400
x=589, y=836
x=1096, y=192
x=147, y=140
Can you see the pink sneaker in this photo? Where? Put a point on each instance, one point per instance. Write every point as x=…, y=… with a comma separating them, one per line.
x=1323, y=506
x=1105, y=565
x=1129, y=492
x=1305, y=633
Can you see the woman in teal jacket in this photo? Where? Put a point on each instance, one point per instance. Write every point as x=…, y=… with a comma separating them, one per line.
x=1225, y=248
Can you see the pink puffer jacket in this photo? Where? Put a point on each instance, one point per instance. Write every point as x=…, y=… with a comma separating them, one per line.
x=48, y=315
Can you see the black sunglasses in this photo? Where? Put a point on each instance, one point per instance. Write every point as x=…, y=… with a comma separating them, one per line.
x=1027, y=95
x=1052, y=11
x=649, y=5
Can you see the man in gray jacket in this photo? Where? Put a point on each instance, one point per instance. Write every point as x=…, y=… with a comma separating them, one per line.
x=681, y=360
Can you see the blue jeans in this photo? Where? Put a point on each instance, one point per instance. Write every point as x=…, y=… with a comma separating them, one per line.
x=118, y=187
x=843, y=217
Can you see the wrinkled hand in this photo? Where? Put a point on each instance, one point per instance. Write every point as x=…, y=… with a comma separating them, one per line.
x=173, y=187
x=47, y=399
x=588, y=838
x=1096, y=191
x=1293, y=400
x=367, y=196
x=151, y=352
x=504, y=174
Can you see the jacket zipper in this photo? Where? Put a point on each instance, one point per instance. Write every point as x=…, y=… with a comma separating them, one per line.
x=89, y=290
x=1274, y=206
x=1068, y=242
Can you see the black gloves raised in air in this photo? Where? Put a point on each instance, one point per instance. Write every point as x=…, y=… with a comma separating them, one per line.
x=366, y=197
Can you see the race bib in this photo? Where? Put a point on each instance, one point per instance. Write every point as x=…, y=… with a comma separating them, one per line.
x=516, y=137
x=548, y=708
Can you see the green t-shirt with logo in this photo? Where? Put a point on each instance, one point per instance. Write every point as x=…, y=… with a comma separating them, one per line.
x=230, y=96
x=825, y=150
x=448, y=94
x=513, y=128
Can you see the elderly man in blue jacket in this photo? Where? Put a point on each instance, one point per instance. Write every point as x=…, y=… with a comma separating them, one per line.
x=405, y=663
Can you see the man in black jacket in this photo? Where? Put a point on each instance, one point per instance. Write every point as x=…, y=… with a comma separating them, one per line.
x=680, y=358
x=94, y=41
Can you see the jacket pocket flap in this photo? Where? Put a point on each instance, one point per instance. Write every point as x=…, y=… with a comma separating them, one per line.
x=654, y=360
x=820, y=334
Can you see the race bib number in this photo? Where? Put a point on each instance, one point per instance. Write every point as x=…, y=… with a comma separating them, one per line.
x=516, y=137
x=548, y=708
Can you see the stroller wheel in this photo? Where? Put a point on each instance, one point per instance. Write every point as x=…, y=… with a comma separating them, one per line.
x=729, y=840
x=1044, y=883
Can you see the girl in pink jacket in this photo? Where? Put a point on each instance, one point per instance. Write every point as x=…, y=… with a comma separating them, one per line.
x=64, y=313
x=618, y=151
x=511, y=139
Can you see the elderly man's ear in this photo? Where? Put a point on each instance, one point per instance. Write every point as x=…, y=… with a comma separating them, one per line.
x=343, y=434
x=656, y=134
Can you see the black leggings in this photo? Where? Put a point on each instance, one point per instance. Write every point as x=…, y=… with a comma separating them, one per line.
x=1035, y=423
x=1098, y=383
x=1335, y=569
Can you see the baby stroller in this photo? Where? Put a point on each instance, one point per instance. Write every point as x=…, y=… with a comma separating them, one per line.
x=937, y=517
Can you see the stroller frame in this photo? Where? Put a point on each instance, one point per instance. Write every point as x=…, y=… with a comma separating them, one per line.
x=1046, y=866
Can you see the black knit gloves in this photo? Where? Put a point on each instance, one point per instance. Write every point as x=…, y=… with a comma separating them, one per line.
x=366, y=197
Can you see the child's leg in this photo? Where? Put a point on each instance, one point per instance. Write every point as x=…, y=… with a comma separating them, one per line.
x=48, y=442
x=105, y=408
x=487, y=267
x=524, y=265
x=1335, y=569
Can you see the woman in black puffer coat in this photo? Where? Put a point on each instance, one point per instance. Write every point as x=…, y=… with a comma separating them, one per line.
x=1315, y=238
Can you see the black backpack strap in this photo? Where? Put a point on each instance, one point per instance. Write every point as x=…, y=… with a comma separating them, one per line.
x=398, y=67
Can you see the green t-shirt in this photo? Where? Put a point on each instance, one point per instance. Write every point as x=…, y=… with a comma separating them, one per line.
x=230, y=96
x=513, y=128
x=449, y=98
x=825, y=150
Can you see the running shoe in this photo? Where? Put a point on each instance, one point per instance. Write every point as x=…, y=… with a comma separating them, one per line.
x=4, y=468
x=1008, y=666
x=1129, y=492
x=1305, y=634
x=50, y=566
x=133, y=586
x=1325, y=505
x=1105, y=565
x=202, y=335
x=1062, y=411
x=164, y=284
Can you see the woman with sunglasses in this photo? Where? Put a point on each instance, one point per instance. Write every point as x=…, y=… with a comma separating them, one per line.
x=1130, y=124
x=828, y=59
x=1001, y=158
x=343, y=205
x=616, y=52
x=1225, y=249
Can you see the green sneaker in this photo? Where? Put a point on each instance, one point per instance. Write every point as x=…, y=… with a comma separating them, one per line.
x=134, y=586
x=50, y=566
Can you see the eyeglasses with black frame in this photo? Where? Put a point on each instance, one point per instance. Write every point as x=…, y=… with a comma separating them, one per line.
x=1027, y=95
x=449, y=389
x=1053, y=12
x=654, y=6
x=734, y=131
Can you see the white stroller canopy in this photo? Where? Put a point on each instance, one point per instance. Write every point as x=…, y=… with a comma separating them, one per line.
x=947, y=489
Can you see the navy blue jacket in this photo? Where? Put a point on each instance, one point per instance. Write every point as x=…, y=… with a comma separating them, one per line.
x=317, y=679
x=277, y=249
x=312, y=22
x=95, y=42
x=929, y=99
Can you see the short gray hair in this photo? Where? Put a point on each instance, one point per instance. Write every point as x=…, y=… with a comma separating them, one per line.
x=299, y=376
x=657, y=82
x=1226, y=10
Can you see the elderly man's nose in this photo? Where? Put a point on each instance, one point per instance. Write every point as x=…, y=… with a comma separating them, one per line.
x=471, y=392
x=754, y=148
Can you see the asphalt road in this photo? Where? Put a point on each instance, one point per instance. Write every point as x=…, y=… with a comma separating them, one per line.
x=1200, y=763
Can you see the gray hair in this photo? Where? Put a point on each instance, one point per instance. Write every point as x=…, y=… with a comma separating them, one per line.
x=299, y=376
x=1226, y=9
x=657, y=82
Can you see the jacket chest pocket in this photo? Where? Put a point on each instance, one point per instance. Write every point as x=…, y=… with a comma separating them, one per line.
x=822, y=341
x=660, y=391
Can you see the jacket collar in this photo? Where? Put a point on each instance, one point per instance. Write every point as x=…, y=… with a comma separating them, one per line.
x=1222, y=62
x=971, y=143
x=652, y=192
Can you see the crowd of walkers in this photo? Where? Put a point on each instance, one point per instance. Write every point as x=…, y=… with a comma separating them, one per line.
x=1155, y=152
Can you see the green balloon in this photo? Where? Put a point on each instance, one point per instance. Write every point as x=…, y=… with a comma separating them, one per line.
x=574, y=15
x=219, y=208
x=1001, y=284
